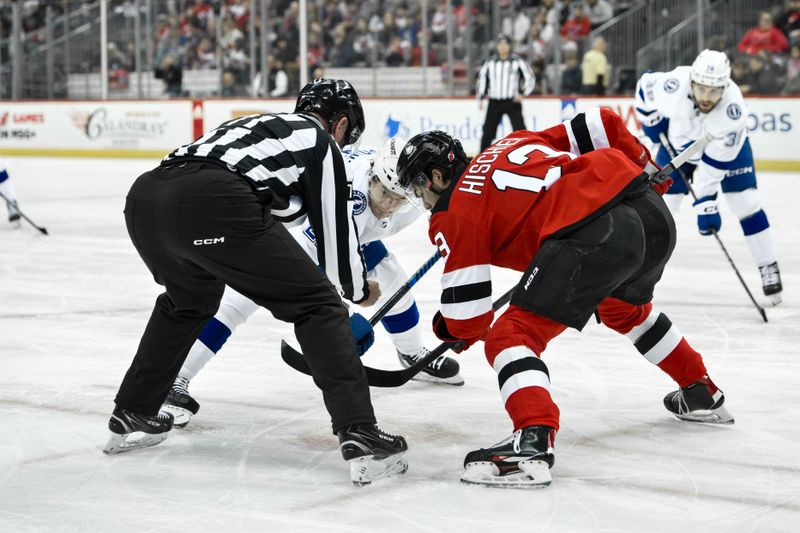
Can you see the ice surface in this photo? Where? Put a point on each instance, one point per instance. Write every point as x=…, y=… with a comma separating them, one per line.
x=260, y=456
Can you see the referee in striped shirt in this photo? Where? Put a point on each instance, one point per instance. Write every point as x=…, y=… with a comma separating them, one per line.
x=210, y=215
x=499, y=80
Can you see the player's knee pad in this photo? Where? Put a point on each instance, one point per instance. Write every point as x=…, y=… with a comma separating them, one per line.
x=743, y=203
x=402, y=321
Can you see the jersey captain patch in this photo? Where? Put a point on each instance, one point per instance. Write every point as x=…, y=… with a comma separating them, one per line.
x=671, y=85
x=733, y=111
x=359, y=202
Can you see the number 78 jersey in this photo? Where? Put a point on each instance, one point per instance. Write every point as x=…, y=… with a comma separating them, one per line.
x=526, y=188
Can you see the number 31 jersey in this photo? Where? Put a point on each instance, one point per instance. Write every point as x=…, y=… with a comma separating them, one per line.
x=526, y=188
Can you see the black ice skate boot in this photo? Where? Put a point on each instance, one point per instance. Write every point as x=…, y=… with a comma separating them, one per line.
x=372, y=453
x=131, y=431
x=523, y=460
x=701, y=401
x=13, y=212
x=443, y=369
x=771, y=282
x=180, y=403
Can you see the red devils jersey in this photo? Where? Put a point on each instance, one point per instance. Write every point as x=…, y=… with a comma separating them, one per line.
x=520, y=191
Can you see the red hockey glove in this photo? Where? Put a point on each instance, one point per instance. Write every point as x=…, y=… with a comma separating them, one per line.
x=441, y=331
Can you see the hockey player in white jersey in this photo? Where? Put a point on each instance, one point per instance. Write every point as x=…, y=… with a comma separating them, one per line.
x=685, y=103
x=380, y=210
x=9, y=198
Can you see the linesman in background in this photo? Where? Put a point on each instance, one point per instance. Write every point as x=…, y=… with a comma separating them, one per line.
x=504, y=79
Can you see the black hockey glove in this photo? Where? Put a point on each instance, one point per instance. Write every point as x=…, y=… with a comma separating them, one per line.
x=362, y=333
x=441, y=331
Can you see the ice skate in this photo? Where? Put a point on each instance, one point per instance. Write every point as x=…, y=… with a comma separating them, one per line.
x=771, y=282
x=372, y=453
x=131, y=431
x=443, y=370
x=179, y=403
x=521, y=461
x=701, y=401
x=13, y=213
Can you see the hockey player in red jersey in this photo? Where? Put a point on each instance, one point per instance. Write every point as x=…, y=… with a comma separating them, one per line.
x=572, y=207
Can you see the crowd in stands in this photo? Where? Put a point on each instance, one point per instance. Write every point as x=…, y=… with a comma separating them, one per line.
x=551, y=35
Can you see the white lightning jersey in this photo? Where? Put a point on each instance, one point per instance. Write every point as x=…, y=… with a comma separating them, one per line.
x=368, y=227
x=668, y=95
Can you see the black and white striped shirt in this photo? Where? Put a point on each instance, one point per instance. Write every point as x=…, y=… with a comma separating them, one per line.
x=293, y=157
x=499, y=79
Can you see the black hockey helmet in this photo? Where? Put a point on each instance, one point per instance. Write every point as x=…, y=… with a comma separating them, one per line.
x=331, y=99
x=430, y=148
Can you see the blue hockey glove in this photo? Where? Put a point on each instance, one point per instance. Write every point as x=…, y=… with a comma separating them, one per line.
x=708, y=219
x=362, y=333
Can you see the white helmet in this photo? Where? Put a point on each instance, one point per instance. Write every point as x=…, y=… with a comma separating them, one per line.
x=711, y=68
x=385, y=165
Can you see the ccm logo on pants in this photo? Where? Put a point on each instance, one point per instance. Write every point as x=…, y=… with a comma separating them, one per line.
x=215, y=240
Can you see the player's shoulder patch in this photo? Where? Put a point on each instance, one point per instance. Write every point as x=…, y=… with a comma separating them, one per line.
x=671, y=85
x=734, y=111
x=359, y=202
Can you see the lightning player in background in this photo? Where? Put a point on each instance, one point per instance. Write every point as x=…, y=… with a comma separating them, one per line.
x=682, y=104
x=8, y=192
x=573, y=208
x=380, y=210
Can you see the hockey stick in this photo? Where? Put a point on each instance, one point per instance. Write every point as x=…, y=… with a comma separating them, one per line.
x=678, y=160
x=671, y=151
x=40, y=228
x=295, y=359
x=395, y=378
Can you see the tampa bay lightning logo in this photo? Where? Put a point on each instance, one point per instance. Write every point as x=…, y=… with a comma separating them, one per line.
x=671, y=85
x=733, y=111
x=359, y=202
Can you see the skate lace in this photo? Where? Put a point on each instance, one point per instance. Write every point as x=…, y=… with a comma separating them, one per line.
x=436, y=364
x=769, y=274
x=381, y=430
x=181, y=385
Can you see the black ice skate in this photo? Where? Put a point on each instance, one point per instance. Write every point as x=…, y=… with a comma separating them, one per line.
x=131, y=431
x=521, y=461
x=179, y=403
x=372, y=453
x=701, y=401
x=443, y=369
x=771, y=282
x=13, y=212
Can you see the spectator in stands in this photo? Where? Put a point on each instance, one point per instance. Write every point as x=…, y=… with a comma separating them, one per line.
x=793, y=71
x=598, y=11
x=394, y=53
x=517, y=28
x=577, y=25
x=789, y=21
x=542, y=35
x=760, y=77
x=594, y=68
x=172, y=74
x=363, y=43
x=572, y=76
x=277, y=83
x=229, y=86
x=765, y=36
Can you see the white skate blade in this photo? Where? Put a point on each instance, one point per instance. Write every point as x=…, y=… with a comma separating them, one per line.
x=367, y=469
x=775, y=299
x=532, y=474
x=180, y=415
x=455, y=381
x=128, y=442
x=720, y=415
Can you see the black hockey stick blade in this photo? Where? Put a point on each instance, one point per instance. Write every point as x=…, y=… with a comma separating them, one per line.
x=386, y=378
x=42, y=229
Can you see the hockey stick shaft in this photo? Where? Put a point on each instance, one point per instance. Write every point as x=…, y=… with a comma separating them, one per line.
x=671, y=151
x=678, y=160
x=23, y=215
x=295, y=359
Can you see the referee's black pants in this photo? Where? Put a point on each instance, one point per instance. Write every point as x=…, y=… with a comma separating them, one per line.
x=494, y=114
x=198, y=227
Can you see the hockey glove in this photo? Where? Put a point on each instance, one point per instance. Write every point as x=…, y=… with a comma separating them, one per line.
x=362, y=333
x=441, y=331
x=708, y=219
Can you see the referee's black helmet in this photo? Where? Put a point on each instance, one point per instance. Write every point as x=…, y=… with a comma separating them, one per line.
x=332, y=99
